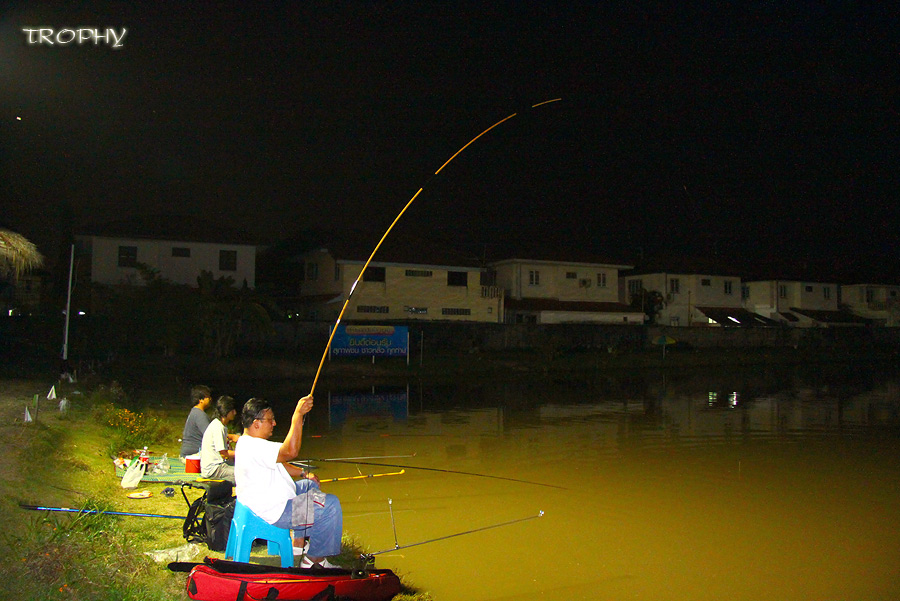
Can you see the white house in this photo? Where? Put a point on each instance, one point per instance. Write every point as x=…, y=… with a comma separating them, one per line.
x=543, y=291
x=878, y=302
x=691, y=299
x=797, y=303
x=178, y=248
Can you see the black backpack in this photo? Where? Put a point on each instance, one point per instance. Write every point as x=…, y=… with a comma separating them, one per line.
x=209, y=516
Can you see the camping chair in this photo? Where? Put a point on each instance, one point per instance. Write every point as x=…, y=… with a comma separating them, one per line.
x=209, y=516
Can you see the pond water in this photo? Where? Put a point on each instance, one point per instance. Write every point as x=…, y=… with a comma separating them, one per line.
x=754, y=484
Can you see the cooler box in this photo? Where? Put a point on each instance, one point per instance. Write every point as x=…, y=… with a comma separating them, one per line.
x=192, y=464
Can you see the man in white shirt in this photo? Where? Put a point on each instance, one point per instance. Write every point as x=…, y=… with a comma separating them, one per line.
x=265, y=484
x=216, y=459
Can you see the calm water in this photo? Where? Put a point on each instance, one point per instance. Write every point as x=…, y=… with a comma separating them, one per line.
x=756, y=485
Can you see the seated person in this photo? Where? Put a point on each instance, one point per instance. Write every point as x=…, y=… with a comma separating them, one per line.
x=216, y=459
x=196, y=422
x=265, y=484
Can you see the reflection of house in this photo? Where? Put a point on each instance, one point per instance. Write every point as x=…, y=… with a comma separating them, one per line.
x=880, y=303
x=798, y=304
x=563, y=292
x=178, y=248
x=695, y=299
x=402, y=283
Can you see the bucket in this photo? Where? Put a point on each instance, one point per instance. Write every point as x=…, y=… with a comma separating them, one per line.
x=192, y=464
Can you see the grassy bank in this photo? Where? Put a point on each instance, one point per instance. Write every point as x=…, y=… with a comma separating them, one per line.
x=63, y=460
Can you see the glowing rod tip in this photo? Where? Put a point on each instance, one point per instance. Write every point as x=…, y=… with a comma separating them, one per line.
x=541, y=514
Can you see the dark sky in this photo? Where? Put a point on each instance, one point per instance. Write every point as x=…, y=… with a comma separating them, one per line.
x=765, y=135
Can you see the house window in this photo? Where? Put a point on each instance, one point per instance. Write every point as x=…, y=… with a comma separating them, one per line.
x=809, y=288
x=534, y=277
x=571, y=275
x=457, y=278
x=374, y=274
x=601, y=280
x=418, y=273
x=180, y=251
x=870, y=296
x=673, y=321
x=337, y=272
x=826, y=292
x=635, y=286
x=128, y=256
x=416, y=310
x=674, y=286
x=454, y=311
x=706, y=282
x=782, y=291
x=745, y=292
x=371, y=309
x=227, y=260
x=729, y=287
x=312, y=271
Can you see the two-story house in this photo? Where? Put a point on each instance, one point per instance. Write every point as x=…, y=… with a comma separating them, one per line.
x=797, y=303
x=178, y=248
x=694, y=299
x=544, y=291
x=403, y=282
x=877, y=302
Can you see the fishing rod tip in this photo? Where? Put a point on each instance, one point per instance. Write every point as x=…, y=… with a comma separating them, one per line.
x=541, y=514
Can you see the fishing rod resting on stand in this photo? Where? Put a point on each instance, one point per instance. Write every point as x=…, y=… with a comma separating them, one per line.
x=369, y=558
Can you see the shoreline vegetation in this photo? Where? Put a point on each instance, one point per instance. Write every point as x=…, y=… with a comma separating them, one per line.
x=65, y=459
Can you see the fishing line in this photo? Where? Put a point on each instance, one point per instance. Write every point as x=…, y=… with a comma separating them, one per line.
x=436, y=469
x=397, y=546
x=396, y=219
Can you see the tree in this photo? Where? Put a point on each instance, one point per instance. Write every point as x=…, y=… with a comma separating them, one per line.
x=229, y=314
x=17, y=254
x=651, y=302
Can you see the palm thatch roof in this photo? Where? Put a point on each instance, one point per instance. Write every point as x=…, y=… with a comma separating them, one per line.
x=17, y=254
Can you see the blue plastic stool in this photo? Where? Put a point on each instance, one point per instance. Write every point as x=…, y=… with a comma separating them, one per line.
x=246, y=527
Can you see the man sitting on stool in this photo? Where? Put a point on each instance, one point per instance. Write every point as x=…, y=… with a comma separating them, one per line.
x=265, y=484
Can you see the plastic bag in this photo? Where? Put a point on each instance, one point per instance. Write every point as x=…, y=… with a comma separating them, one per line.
x=133, y=474
x=161, y=466
x=185, y=552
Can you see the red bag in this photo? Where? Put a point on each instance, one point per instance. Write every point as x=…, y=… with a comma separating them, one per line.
x=220, y=580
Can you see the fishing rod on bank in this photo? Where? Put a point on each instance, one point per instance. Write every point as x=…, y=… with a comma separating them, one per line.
x=434, y=469
x=388, y=231
x=99, y=512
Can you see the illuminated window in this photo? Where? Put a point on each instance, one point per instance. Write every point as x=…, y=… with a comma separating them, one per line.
x=227, y=260
x=128, y=256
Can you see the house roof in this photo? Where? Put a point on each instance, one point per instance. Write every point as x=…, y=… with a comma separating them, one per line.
x=832, y=317
x=549, y=304
x=179, y=228
x=731, y=317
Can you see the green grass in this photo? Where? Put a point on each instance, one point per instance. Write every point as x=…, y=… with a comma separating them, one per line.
x=65, y=461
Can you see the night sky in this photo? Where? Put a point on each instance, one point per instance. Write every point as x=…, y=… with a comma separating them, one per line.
x=765, y=136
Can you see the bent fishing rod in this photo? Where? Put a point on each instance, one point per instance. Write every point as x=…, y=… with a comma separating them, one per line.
x=396, y=219
x=100, y=512
x=436, y=469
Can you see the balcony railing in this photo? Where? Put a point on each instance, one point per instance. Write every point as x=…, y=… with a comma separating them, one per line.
x=491, y=292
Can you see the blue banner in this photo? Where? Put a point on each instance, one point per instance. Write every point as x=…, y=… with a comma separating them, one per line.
x=365, y=341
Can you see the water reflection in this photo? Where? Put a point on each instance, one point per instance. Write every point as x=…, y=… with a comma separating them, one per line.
x=766, y=483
